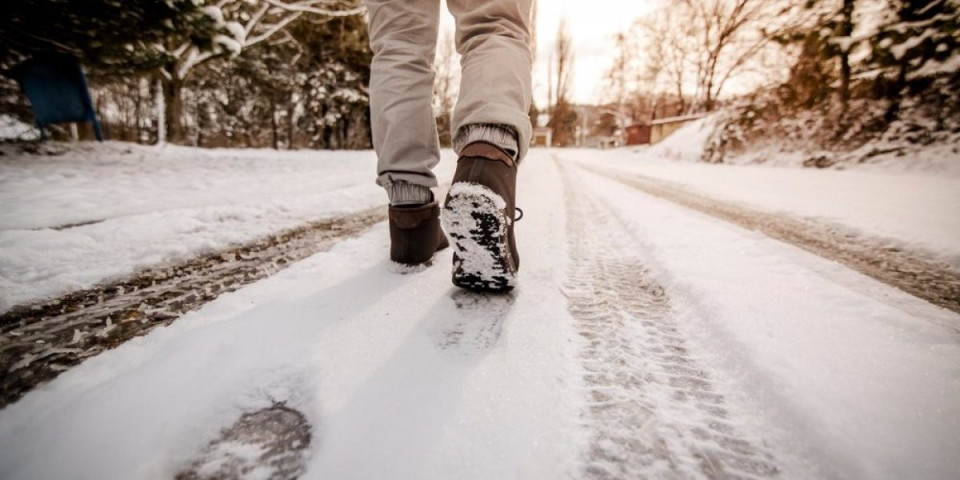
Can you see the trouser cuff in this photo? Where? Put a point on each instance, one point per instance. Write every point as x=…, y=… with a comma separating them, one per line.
x=404, y=193
x=502, y=136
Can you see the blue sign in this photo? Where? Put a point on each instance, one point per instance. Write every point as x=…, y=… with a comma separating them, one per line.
x=58, y=91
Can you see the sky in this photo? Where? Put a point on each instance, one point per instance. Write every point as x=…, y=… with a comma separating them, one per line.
x=592, y=25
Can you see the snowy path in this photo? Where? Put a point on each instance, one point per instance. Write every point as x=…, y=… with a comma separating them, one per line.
x=645, y=339
x=908, y=210
x=863, y=374
x=101, y=213
x=908, y=269
x=39, y=342
x=654, y=406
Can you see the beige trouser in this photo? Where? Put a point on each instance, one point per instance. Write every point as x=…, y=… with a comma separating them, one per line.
x=493, y=37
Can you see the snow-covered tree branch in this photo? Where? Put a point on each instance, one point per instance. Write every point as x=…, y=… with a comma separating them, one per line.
x=238, y=25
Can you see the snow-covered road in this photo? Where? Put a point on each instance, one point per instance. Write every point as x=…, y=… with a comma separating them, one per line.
x=645, y=340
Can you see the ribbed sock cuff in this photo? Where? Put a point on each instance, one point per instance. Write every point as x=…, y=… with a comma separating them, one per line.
x=404, y=193
x=502, y=136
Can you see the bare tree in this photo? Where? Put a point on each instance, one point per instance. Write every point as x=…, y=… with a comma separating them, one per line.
x=846, y=31
x=731, y=35
x=693, y=48
x=617, y=78
x=563, y=59
x=243, y=24
x=669, y=44
x=562, y=115
x=622, y=82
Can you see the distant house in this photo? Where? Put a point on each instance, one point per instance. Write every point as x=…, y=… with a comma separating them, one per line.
x=657, y=130
x=542, y=137
x=638, y=134
x=663, y=127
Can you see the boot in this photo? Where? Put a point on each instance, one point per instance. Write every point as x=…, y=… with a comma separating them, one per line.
x=479, y=214
x=415, y=233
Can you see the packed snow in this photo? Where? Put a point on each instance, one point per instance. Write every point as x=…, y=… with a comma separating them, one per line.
x=351, y=342
x=912, y=211
x=13, y=129
x=686, y=143
x=129, y=206
x=890, y=154
x=403, y=376
x=126, y=207
x=815, y=340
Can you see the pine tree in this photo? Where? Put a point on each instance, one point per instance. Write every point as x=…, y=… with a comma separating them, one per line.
x=308, y=89
x=112, y=35
x=916, y=44
x=336, y=66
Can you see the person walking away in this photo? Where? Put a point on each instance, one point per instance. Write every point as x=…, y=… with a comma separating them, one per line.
x=491, y=132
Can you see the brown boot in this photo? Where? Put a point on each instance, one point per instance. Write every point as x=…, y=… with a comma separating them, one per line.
x=479, y=215
x=415, y=233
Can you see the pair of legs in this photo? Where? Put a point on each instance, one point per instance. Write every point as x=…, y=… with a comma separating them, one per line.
x=493, y=37
x=491, y=132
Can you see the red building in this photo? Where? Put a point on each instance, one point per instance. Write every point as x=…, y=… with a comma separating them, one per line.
x=638, y=134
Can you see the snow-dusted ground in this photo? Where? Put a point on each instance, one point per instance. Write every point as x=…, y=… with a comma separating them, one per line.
x=773, y=355
x=13, y=129
x=135, y=206
x=942, y=157
x=913, y=211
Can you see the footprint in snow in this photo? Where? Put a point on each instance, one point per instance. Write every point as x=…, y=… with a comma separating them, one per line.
x=270, y=443
x=475, y=325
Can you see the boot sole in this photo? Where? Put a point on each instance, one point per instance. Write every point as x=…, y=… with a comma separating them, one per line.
x=474, y=217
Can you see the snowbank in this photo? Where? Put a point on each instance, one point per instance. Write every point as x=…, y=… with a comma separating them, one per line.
x=893, y=152
x=92, y=212
x=687, y=143
x=13, y=129
x=910, y=211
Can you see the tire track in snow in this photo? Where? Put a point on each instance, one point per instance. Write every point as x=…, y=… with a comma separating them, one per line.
x=925, y=279
x=654, y=410
x=38, y=342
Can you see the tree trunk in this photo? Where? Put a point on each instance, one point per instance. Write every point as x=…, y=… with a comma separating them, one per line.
x=275, y=127
x=683, y=103
x=161, y=105
x=290, y=125
x=173, y=114
x=896, y=93
x=327, y=137
x=846, y=30
x=324, y=134
x=143, y=85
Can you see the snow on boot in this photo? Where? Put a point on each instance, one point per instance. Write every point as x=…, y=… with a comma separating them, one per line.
x=478, y=214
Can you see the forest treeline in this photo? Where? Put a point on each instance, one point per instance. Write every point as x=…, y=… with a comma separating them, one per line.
x=237, y=73
x=830, y=74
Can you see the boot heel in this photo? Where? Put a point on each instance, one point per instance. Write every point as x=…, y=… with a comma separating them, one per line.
x=415, y=234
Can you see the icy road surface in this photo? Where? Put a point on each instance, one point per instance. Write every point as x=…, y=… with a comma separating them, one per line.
x=645, y=340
